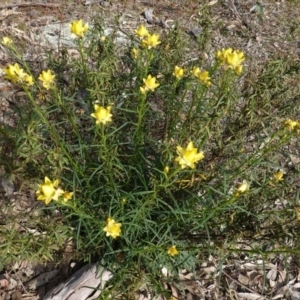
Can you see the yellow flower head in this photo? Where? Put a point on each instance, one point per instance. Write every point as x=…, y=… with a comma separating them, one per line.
x=141, y=32
x=67, y=196
x=238, y=69
x=232, y=58
x=222, y=54
x=189, y=156
x=134, y=53
x=173, y=251
x=47, y=79
x=14, y=73
x=178, y=72
x=151, y=41
x=278, y=176
x=49, y=191
x=243, y=187
x=112, y=228
x=196, y=71
x=78, y=28
x=101, y=114
x=28, y=80
x=204, y=78
x=150, y=84
x=6, y=41
x=290, y=124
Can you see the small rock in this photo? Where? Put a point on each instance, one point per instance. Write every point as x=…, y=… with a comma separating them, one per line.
x=195, y=32
x=8, y=186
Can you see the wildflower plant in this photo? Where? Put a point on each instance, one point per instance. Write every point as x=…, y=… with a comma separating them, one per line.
x=149, y=154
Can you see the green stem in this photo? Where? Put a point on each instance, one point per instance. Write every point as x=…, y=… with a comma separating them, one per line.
x=60, y=144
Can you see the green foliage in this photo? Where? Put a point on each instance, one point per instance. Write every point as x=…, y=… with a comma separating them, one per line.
x=117, y=169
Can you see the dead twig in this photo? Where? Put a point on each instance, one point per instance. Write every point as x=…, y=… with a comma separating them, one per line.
x=28, y=4
x=239, y=283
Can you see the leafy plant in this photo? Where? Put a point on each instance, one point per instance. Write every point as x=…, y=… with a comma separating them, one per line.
x=151, y=161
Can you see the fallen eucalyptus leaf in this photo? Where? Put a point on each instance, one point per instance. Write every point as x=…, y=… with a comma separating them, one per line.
x=250, y=296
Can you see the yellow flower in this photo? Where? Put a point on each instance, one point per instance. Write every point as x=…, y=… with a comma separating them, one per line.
x=235, y=59
x=67, y=196
x=134, y=53
x=142, y=32
x=196, y=71
x=290, y=124
x=28, y=80
x=78, y=28
x=49, y=191
x=6, y=41
x=173, y=251
x=222, y=54
x=47, y=79
x=178, y=72
x=189, y=156
x=112, y=228
x=232, y=58
x=14, y=73
x=242, y=188
x=238, y=69
x=278, y=176
x=151, y=41
x=204, y=77
x=103, y=38
x=150, y=84
x=101, y=114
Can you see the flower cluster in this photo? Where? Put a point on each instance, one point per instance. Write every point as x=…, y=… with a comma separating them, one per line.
x=147, y=40
x=15, y=74
x=187, y=157
x=291, y=125
x=202, y=76
x=49, y=190
x=233, y=59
